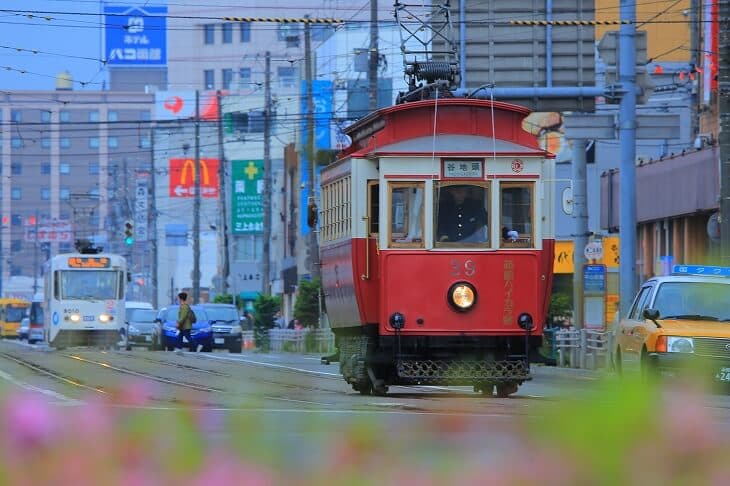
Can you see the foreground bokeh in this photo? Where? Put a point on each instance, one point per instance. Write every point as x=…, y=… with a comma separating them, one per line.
x=621, y=432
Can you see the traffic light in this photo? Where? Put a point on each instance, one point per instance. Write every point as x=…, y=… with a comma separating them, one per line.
x=128, y=233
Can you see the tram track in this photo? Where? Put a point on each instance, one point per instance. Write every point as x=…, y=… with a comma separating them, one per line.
x=52, y=374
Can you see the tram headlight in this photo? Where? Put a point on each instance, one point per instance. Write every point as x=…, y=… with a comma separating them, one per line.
x=74, y=317
x=462, y=296
x=106, y=317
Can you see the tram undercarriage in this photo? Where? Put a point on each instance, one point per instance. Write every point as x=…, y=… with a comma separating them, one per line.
x=372, y=363
x=94, y=338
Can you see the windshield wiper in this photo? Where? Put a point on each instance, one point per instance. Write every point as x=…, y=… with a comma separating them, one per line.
x=693, y=317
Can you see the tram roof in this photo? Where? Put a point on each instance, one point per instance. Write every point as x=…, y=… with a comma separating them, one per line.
x=463, y=145
x=482, y=119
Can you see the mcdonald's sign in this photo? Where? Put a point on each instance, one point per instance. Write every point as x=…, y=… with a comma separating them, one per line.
x=182, y=178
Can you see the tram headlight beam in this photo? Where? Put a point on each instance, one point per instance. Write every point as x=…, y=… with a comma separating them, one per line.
x=462, y=296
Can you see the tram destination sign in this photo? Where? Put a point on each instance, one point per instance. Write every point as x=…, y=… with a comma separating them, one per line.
x=462, y=169
x=88, y=262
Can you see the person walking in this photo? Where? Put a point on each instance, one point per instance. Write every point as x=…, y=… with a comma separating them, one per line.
x=185, y=320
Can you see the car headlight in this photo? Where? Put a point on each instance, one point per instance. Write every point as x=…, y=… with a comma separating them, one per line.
x=462, y=296
x=133, y=328
x=677, y=344
x=106, y=317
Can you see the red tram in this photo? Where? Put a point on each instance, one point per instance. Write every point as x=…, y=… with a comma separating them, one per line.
x=419, y=291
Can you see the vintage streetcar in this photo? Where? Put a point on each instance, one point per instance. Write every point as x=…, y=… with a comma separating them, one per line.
x=436, y=246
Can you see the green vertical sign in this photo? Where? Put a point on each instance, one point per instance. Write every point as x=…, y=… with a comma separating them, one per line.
x=248, y=196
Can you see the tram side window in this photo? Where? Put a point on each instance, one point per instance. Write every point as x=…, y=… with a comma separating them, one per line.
x=406, y=214
x=461, y=213
x=374, y=207
x=517, y=229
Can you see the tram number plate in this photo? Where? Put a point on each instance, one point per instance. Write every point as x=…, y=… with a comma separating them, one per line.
x=723, y=374
x=88, y=318
x=219, y=340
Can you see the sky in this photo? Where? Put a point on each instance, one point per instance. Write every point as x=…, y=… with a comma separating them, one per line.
x=65, y=40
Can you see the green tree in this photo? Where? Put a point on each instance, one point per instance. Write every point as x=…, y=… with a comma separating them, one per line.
x=223, y=299
x=306, y=308
x=265, y=306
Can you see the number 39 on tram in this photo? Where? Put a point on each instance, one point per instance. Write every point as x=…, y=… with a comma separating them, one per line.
x=436, y=246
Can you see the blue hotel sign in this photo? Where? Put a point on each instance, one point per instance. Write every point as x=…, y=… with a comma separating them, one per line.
x=135, y=36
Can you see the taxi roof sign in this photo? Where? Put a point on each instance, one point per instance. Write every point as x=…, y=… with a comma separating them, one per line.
x=701, y=270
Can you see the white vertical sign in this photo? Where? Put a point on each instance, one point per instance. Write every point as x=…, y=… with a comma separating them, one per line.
x=140, y=210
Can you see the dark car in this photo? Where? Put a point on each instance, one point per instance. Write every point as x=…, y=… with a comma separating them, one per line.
x=31, y=327
x=226, y=324
x=201, y=333
x=142, y=328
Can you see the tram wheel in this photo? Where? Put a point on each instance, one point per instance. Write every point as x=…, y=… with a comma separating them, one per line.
x=506, y=389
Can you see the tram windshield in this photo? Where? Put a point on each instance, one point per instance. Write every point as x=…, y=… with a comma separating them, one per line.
x=462, y=214
x=89, y=284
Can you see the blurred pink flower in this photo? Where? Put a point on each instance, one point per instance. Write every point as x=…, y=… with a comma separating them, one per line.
x=29, y=421
x=220, y=467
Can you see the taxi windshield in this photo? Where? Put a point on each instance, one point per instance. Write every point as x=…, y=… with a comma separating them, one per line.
x=693, y=300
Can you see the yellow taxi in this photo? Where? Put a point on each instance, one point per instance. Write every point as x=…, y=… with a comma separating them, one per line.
x=675, y=320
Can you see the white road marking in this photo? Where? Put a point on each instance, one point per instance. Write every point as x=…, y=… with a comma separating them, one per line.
x=44, y=391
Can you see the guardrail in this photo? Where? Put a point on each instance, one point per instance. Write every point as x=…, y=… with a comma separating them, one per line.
x=295, y=340
x=582, y=348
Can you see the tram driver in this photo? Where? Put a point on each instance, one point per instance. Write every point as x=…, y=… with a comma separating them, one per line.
x=461, y=217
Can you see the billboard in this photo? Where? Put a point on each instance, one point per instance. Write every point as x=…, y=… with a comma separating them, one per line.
x=180, y=104
x=247, y=206
x=182, y=178
x=135, y=36
x=58, y=231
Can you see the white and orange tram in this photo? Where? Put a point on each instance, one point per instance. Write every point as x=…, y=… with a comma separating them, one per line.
x=417, y=291
x=84, y=299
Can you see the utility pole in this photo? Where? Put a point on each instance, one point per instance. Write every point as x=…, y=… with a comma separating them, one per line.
x=153, y=211
x=35, y=256
x=225, y=267
x=580, y=236
x=314, y=269
x=266, y=264
x=373, y=64
x=196, y=206
x=724, y=101
x=627, y=172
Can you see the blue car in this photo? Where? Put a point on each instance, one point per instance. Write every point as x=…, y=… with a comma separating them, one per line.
x=202, y=333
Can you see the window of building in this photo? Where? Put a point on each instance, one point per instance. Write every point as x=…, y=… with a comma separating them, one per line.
x=516, y=221
x=94, y=116
x=287, y=76
x=45, y=168
x=64, y=194
x=145, y=115
x=245, y=30
x=45, y=116
x=244, y=77
x=16, y=116
x=94, y=142
x=64, y=116
x=227, y=75
x=45, y=142
x=112, y=116
x=113, y=142
x=461, y=214
x=64, y=168
x=17, y=142
x=145, y=142
x=16, y=220
x=16, y=245
x=16, y=193
x=93, y=168
x=405, y=201
x=238, y=123
x=94, y=192
x=289, y=33
x=209, y=34
x=45, y=193
x=227, y=31
x=16, y=168
x=208, y=79
x=64, y=142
